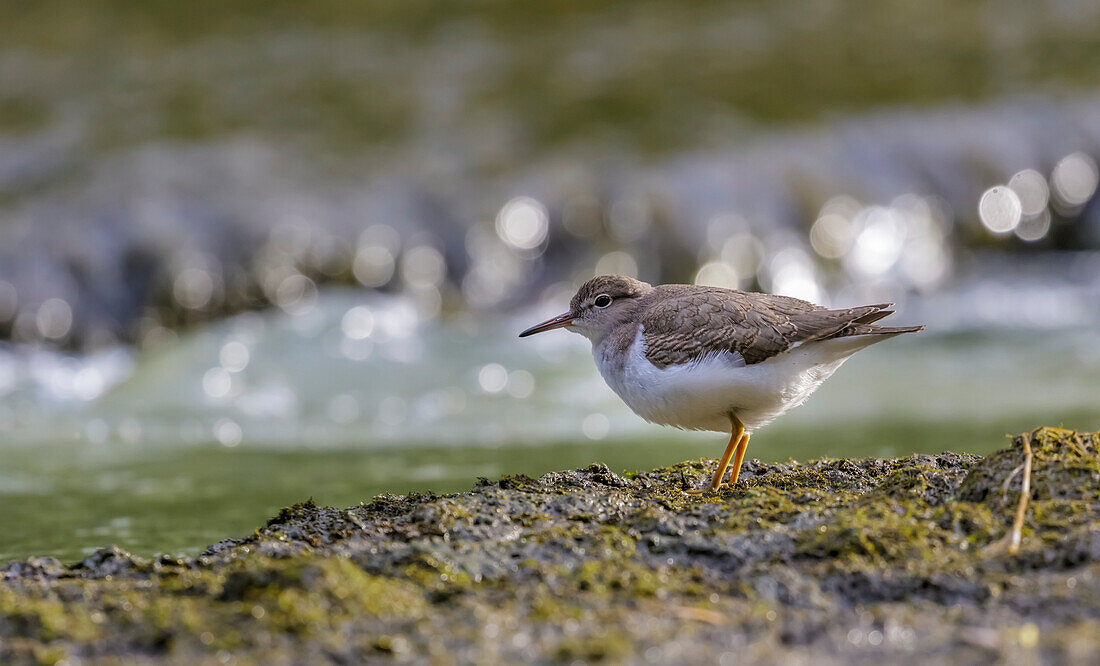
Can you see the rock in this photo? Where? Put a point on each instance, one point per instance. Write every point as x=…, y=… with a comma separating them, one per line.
x=830, y=561
x=33, y=568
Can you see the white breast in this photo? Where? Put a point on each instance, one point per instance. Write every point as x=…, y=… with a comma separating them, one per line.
x=701, y=395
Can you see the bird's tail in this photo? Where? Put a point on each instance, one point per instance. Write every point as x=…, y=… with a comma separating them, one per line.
x=891, y=330
x=865, y=325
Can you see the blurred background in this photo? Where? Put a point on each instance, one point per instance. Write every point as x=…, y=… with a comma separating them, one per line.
x=256, y=252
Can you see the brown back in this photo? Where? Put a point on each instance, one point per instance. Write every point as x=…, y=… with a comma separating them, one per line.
x=684, y=323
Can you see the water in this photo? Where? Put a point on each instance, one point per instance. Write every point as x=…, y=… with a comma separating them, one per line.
x=206, y=437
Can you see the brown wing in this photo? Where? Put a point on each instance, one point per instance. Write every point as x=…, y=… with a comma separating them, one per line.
x=686, y=322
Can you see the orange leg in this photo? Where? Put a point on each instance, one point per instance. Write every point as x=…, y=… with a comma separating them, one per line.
x=742, y=446
x=739, y=441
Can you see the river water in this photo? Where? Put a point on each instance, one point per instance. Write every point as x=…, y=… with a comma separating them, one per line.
x=175, y=447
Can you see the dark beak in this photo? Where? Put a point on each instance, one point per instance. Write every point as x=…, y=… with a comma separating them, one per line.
x=561, y=321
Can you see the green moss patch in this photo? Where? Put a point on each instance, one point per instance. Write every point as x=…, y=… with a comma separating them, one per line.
x=830, y=560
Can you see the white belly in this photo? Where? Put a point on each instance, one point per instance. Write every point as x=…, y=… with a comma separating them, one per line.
x=701, y=395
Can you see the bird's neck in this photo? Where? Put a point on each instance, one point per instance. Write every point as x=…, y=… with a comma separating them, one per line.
x=613, y=347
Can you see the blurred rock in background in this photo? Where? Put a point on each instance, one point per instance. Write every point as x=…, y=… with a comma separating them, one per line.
x=163, y=165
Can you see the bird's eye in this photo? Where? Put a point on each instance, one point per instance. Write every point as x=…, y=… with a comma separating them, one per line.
x=602, y=301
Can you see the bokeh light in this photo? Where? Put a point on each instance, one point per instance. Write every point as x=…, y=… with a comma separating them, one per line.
x=54, y=319
x=716, y=274
x=423, y=266
x=358, y=322
x=1000, y=209
x=521, y=384
x=617, y=262
x=832, y=236
x=596, y=426
x=343, y=409
x=228, y=432
x=393, y=410
x=878, y=242
x=234, y=356
x=1031, y=188
x=374, y=261
x=792, y=273
x=628, y=220
x=296, y=294
x=217, y=382
x=193, y=288
x=523, y=223
x=1035, y=227
x=492, y=378
x=744, y=253
x=1074, y=179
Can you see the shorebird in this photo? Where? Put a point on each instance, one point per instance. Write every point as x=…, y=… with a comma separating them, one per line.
x=707, y=358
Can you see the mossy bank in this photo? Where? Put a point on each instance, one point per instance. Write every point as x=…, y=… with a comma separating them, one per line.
x=832, y=561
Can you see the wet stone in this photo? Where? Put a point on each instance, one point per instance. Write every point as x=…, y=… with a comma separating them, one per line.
x=33, y=568
x=829, y=560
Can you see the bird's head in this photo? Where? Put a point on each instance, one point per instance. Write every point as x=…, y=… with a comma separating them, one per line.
x=597, y=307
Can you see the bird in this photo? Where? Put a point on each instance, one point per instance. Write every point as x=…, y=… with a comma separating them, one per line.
x=708, y=358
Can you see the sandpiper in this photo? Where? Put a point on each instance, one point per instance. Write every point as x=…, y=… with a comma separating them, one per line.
x=707, y=358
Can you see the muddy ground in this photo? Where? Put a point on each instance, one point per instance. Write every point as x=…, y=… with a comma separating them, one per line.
x=830, y=561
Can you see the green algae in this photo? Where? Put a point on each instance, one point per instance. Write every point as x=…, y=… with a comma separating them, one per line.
x=829, y=559
x=1066, y=466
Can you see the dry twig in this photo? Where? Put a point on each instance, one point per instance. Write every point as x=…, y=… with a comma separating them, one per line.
x=1025, y=493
